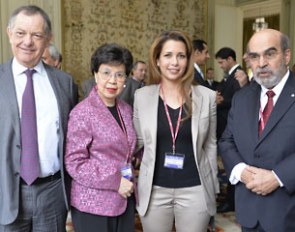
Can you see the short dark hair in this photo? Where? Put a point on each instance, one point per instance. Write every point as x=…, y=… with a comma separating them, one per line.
x=199, y=44
x=138, y=62
x=226, y=52
x=111, y=54
x=31, y=10
x=209, y=69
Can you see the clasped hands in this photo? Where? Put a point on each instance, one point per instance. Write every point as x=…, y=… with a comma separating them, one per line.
x=126, y=188
x=258, y=180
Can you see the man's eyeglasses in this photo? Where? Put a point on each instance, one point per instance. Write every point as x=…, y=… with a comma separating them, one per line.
x=267, y=55
x=119, y=76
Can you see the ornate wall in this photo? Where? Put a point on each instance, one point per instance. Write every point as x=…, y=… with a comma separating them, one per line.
x=132, y=23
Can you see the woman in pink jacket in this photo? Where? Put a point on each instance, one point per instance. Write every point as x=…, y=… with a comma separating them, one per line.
x=100, y=144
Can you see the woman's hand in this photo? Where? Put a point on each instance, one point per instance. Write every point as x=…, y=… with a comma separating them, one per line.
x=126, y=188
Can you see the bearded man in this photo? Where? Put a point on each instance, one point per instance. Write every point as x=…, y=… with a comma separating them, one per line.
x=257, y=147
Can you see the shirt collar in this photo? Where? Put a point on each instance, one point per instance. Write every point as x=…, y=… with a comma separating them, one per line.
x=197, y=67
x=18, y=68
x=233, y=68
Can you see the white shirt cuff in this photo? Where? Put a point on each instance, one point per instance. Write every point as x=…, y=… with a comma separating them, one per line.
x=236, y=173
x=278, y=179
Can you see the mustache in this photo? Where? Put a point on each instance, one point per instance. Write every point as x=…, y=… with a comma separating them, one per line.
x=265, y=69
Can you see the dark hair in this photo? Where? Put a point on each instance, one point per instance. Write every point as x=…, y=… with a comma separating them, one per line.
x=226, y=52
x=31, y=10
x=199, y=44
x=111, y=54
x=209, y=69
x=138, y=62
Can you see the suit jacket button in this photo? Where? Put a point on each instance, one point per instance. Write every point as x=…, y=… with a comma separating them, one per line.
x=18, y=146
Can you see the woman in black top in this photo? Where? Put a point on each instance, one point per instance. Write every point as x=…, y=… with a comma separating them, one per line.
x=175, y=122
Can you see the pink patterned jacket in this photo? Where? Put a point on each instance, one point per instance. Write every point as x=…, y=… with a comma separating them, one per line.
x=96, y=150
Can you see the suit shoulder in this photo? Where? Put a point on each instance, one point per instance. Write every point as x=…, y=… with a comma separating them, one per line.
x=149, y=89
x=58, y=73
x=249, y=88
x=203, y=90
x=124, y=105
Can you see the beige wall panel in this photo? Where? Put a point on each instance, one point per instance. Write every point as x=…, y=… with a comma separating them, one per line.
x=131, y=23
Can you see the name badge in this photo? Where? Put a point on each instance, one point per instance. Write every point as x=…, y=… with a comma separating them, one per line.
x=174, y=161
x=126, y=172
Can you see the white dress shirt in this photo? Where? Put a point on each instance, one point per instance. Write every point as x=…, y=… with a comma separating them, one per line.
x=47, y=115
x=199, y=70
x=232, y=69
x=235, y=175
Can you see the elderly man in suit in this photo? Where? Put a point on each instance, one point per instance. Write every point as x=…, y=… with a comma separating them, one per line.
x=257, y=147
x=52, y=56
x=35, y=103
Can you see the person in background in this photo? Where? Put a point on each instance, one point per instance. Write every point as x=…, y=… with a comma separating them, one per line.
x=175, y=123
x=99, y=149
x=200, y=56
x=37, y=100
x=226, y=59
x=139, y=72
x=52, y=56
x=87, y=86
x=242, y=77
x=136, y=81
x=211, y=83
x=257, y=146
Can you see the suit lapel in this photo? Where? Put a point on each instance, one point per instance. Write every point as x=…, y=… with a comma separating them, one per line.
x=196, y=112
x=8, y=93
x=252, y=111
x=285, y=101
x=151, y=109
x=54, y=81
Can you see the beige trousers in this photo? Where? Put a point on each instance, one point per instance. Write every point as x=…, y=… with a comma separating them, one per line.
x=184, y=206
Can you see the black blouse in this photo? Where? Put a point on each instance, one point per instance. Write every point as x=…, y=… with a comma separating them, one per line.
x=174, y=178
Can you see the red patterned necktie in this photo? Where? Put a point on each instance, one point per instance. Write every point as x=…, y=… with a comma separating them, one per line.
x=30, y=167
x=267, y=111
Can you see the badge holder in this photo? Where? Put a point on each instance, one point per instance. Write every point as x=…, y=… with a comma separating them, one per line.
x=174, y=160
x=126, y=172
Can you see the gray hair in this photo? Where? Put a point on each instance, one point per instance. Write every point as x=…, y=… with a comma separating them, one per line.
x=54, y=53
x=285, y=42
x=31, y=10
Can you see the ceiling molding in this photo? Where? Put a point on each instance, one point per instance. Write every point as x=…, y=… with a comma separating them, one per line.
x=248, y=2
x=263, y=8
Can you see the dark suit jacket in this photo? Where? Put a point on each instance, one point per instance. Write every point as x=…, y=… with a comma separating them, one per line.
x=87, y=86
x=10, y=141
x=127, y=94
x=227, y=89
x=199, y=79
x=213, y=86
x=274, y=150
